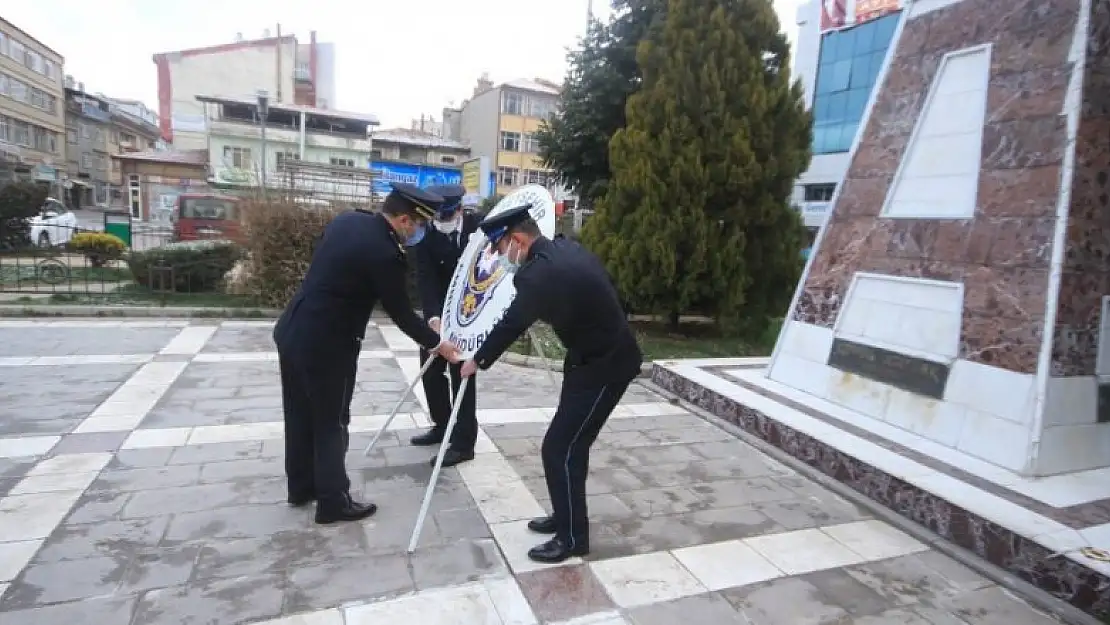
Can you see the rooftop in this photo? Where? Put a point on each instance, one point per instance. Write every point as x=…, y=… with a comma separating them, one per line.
x=417, y=138
x=538, y=85
x=228, y=47
x=24, y=33
x=366, y=118
x=168, y=157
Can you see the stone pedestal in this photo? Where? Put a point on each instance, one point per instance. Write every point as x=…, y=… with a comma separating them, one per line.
x=957, y=289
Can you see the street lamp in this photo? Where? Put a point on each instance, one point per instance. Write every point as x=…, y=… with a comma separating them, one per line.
x=370, y=159
x=263, y=112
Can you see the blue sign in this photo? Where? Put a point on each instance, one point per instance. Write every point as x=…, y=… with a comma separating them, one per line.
x=386, y=173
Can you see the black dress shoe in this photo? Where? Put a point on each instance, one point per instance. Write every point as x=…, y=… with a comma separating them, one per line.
x=433, y=436
x=350, y=510
x=555, y=551
x=542, y=525
x=453, y=457
x=301, y=501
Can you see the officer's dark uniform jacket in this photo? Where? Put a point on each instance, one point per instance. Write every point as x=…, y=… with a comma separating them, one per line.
x=563, y=284
x=358, y=262
x=436, y=258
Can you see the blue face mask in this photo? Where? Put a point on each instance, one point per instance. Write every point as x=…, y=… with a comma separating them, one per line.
x=506, y=262
x=417, y=235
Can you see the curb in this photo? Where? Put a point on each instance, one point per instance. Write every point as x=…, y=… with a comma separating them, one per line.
x=556, y=366
x=62, y=310
x=1036, y=597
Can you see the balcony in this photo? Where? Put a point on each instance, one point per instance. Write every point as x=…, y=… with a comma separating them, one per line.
x=302, y=73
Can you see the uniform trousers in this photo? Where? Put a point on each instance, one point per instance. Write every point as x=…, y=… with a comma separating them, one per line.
x=316, y=396
x=440, y=391
x=583, y=410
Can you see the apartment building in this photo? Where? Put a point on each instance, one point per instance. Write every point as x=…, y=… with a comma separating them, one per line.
x=840, y=51
x=88, y=150
x=32, y=115
x=289, y=72
x=500, y=122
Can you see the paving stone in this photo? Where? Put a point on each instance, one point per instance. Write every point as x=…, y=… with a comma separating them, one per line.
x=788, y=601
x=231, y=522
x=44, y=400
x=688, y=435
x=97, y=507
x=565, y=592
x=113, y=539
x=159, y=568
x=91, y=442
x=455, y=563
x=239, y=469
x=183, y=499
x=60, y=341
x=212, y=601
x=55, y=582
x=655, y=502
x=127, y=480
x=282, y=551
x=796, y=514
x=216, y=452
x=732, y=493
x=909, y=580
x=463, y=523
x=515, y=430
x=101, y=611
x=843, y=590
x=140, y=458
x=347, y=579
x=240, y=340
x=706, y=608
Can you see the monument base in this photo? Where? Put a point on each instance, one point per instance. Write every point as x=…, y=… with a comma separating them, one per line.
x=1053, y=532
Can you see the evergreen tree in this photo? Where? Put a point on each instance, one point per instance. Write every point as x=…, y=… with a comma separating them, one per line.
x=602, y=74
x=696, y=217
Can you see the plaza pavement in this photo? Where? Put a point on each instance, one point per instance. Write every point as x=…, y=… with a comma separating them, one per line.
x=141, y=483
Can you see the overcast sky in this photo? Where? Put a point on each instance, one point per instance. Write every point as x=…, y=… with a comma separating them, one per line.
x=394, y=58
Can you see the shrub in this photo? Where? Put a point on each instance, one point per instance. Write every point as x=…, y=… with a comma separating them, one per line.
x=186, y=267
x=280, y=236
x=98, y=247
x=19, y=201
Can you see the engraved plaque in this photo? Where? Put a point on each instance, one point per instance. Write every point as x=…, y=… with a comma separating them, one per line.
x=909, y=373
x=1102, y=414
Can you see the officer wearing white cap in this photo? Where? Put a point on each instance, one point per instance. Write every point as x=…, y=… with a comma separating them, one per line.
x=436, y=259
x=359, y=261
x=563, y=284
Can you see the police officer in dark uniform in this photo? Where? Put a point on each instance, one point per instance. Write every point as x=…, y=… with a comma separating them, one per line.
x=436, y=259
x=359, y=261
x=563, y=284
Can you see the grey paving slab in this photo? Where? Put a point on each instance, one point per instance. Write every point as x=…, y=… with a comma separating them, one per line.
x=54, y=399
x=512, y=386
x=70, y=341
x=220, y=393
x=230, y=339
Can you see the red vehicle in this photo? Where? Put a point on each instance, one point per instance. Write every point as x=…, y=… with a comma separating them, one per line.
x=206, y=216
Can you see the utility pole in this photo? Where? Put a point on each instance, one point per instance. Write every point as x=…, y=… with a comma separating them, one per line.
x=263, y=112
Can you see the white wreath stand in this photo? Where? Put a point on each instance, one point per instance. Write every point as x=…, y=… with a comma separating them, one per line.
x=420, y=518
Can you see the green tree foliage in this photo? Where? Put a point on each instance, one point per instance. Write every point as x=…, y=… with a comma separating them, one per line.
x=696, y=218
x=19, y=201
x=602, y=74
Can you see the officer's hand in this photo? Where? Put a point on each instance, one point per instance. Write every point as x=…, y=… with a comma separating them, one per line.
x=469, y=368
x=434, y=324
x=449, y=351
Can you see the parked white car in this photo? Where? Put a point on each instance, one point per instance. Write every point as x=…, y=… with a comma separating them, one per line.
x=55, y=224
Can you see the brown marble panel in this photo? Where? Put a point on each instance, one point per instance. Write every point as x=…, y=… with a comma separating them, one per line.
x=564, y=593
x=1004, y=251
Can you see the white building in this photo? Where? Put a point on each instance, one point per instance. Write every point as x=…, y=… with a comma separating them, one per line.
x=837, y=58
x=288, y=72
x=296, y=136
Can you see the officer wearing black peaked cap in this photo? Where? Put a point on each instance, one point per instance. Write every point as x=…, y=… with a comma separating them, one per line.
x=563, y=284
x=436, y=258
x=359, y=261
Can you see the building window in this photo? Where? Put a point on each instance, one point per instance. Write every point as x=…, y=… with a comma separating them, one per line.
x=375, y=154
x=71, y=135
x=5, y=129
x=343, y=162
x=239, y=158
x=847, y=68
x=818, y=192
x=281, y=157
x=510, y=141
x=86, y=161
x=541, y=107
x=529, y=144
x=21, y=133
x=448, y=160
x=535, y=176
x=507, y=176
x=512, y=103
